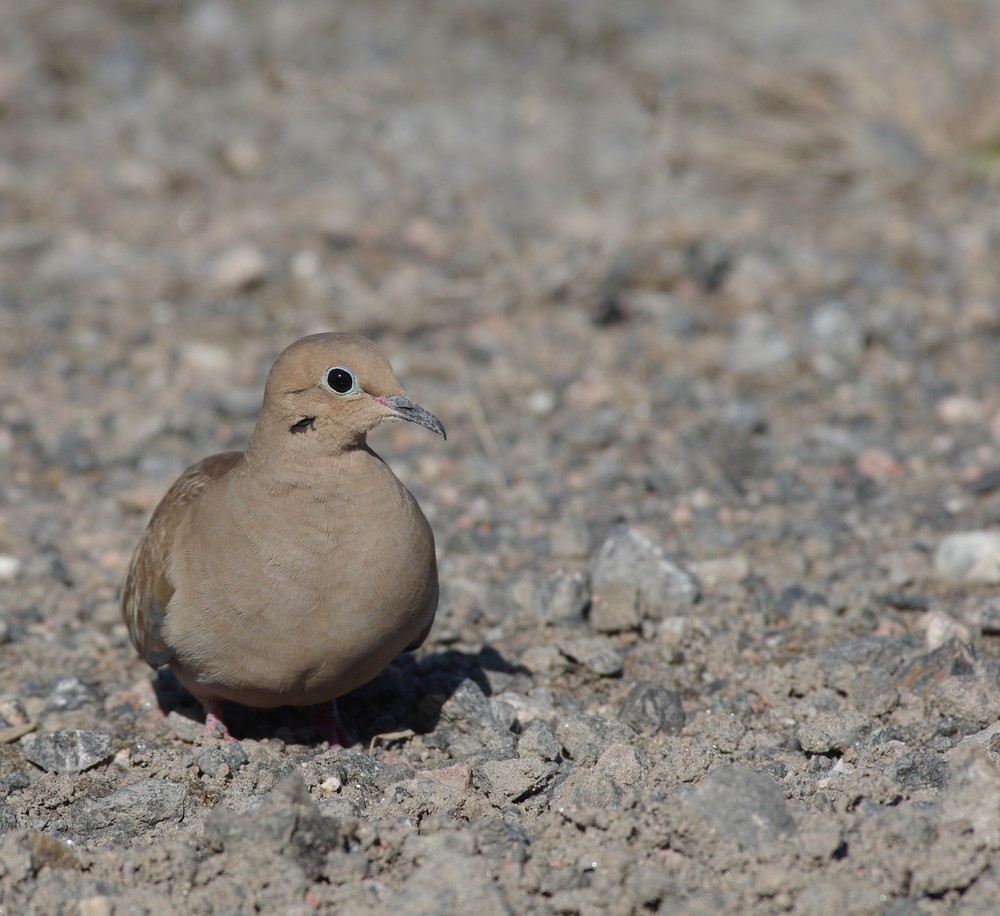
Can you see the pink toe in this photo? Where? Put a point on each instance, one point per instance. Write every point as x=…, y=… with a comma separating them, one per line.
x=215, y=724
x=326, y=718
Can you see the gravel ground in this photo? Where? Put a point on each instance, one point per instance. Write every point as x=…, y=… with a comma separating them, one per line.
x=707, y=297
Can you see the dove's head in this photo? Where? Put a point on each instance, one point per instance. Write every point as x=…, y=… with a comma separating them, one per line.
x=327, y=391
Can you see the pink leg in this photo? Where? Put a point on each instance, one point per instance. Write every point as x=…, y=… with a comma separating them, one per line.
x=215, y=724
x=326, y=719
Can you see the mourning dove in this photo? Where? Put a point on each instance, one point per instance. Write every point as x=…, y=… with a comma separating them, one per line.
x=293, y=572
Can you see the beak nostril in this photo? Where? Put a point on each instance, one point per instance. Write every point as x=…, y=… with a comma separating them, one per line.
x=405, y=408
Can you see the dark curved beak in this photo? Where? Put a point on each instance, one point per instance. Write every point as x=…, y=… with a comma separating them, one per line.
x=407, y=409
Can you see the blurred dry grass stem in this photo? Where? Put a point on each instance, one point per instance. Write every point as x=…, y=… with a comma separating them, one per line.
x=481, y=424
x=922, y=90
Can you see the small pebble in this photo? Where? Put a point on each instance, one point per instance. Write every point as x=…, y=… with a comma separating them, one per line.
x=758, y=345
x=650, y=708
x=941, y=627
x=238, y=269
x=71, y=693
x=615, y=608
x=563, y=596
x=878, y=464
x=969, y=556
x=241, y=156
x=9, y=567
x=96, y=906
x=212, y=762
x=597, y=655
x=538, y=738
x=832, y=732
x=959, y=409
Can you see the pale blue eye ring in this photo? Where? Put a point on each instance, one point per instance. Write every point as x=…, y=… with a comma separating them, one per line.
x=341, y=380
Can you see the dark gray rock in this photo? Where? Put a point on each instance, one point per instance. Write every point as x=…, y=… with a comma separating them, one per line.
x=133, y=809
x=988, y=739
x=355, y=767
x=967, y=821
x=588, y=790
x=735, y=441
x=467, y=706
x=562, y=596
x=954, y=682
x=868, y=652
x=504, y=713
x=923, y=674
x=795, y=603
x=873, y=692
x=8, y=819
x=467, y=723
x=212, y=762
x=832, y=732
x=597, y=654
x=71, y=693
x=514, y=779
x=235, y=756
x=500, y=841
x=287, y=823
x=585, y=737
x=989, y=621
x=9, y=782
x=538, y=738
x=70, y=751
x=745, y=804
x=649, y=708
x=922, y=770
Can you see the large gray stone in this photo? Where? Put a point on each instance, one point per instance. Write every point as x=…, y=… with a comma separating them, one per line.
x=628, y=563
x=133, y=809
x=70, y=751
x=745, y=804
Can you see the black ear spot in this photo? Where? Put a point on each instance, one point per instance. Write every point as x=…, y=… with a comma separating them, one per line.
x=303, y=426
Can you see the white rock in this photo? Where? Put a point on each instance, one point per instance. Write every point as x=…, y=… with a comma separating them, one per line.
x=9, y=567
x=941, y=627
x=242, y=157
x=542, y=402
x=238, y=269
x=731, y=568
x=205, y=359
x=958, y=409
x=969, y=556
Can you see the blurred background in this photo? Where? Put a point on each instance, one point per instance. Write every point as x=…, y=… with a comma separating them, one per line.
x=621, y=248
x=588, y=233
x=640, y=257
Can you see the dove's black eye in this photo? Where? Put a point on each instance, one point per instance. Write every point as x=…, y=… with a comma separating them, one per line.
x=341, y=381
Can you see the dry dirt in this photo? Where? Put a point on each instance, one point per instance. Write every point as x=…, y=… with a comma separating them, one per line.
x=706, y=294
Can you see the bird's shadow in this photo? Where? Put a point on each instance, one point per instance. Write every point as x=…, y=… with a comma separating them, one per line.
x=408, y=695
